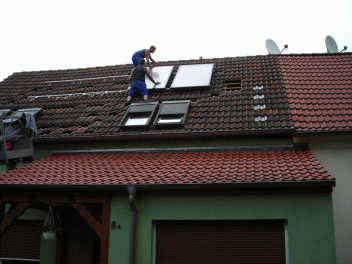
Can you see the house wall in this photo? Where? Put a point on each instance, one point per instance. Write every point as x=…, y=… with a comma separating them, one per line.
x=309, y=220
x=335, y=154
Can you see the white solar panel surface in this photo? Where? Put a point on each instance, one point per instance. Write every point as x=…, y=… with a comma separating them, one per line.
x=160, y=74
x=198, y=75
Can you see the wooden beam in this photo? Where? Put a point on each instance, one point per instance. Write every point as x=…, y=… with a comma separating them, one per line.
x=13, y=215
x=53, y=199
x=90, y=219
x=104, y=249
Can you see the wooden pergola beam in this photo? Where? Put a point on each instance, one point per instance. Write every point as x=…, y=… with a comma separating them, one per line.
x=13, y=215
x=53, y=199
x=90, y=219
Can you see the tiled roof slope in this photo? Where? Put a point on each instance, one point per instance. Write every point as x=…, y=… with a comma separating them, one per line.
x=171, y=168
x=319, y=90
x=309, y=92
x=95, y=115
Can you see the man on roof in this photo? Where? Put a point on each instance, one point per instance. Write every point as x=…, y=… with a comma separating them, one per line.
x=137, y=79
x=144, y=53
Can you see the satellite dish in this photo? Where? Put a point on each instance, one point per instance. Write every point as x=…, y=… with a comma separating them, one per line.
x=272, y=47
x=331, y=45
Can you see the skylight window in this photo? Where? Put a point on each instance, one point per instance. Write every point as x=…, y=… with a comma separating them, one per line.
x=172, y=114
x=139, y=116
x=172, y=119
x=137, y=120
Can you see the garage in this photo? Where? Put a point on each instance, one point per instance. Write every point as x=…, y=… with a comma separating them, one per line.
x=219, y=241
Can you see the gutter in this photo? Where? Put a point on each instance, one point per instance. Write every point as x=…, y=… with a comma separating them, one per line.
x=322, y=133
x=165, y=134
x=132, y=190
x=168, y=186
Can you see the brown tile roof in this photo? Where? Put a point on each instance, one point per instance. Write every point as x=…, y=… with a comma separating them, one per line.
x=319, y=90
x=94, y=115
x=170, y=168
x=309, y=92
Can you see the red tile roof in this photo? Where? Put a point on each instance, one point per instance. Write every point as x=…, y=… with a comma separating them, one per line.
x=170, y=168
x=319, y=90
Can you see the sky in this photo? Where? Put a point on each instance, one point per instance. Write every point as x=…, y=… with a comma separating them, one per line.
x=46, y=35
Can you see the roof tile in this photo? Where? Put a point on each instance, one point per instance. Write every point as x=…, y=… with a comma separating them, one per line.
x=180, y=168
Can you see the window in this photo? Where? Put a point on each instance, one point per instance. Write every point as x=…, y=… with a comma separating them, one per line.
x=172, y=119
x=139, y=116
x=137, y=120
x=172, y=113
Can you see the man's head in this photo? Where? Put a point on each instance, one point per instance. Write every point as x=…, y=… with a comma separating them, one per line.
x=152, y=49
x=141, y=61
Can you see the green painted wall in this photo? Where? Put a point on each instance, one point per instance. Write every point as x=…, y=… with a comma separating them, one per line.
x=309, y=217
x=335, y=154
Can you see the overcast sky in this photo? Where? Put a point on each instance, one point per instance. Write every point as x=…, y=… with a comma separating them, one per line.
x=51, y=35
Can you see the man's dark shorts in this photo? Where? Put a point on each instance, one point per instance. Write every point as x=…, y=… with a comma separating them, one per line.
x=135, y=59
x=138, y=86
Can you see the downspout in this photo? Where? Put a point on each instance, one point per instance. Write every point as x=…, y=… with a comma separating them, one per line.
x=132, y=192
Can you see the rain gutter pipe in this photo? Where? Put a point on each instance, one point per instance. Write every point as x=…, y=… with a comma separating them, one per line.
x=132, y=192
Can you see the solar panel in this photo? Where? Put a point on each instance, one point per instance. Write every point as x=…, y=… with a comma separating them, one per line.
x=198, y=75
x=160, y=74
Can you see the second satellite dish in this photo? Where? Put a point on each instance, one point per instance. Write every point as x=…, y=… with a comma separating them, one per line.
x=331, y=45
x=272, y=47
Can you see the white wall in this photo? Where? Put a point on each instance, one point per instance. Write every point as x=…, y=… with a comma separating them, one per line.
x=335, y=154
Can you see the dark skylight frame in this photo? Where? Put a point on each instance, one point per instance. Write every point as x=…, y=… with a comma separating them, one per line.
x=139, y=116
x=172, y=114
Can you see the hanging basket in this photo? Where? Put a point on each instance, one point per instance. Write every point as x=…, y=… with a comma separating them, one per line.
x=49, y=234
x=50, y=225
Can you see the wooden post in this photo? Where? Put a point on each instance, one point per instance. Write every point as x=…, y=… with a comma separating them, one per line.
x=104, y=250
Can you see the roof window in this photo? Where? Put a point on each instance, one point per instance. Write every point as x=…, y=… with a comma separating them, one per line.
x=172, y=113
x=139, y=116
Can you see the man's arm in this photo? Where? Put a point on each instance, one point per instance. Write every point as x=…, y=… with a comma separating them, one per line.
x=131, y=75
x=149, y=76
x=147, y=56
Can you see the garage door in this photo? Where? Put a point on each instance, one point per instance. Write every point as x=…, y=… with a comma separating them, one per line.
x=220, y=241
x=21, y=240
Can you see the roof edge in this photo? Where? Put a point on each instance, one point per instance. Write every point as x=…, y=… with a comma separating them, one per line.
x=172, y=186
x=167, y=135
x=296, y=146
x=321, y=133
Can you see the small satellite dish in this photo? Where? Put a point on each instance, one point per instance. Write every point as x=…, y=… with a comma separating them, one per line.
x=272, y=47
x=331, y=45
